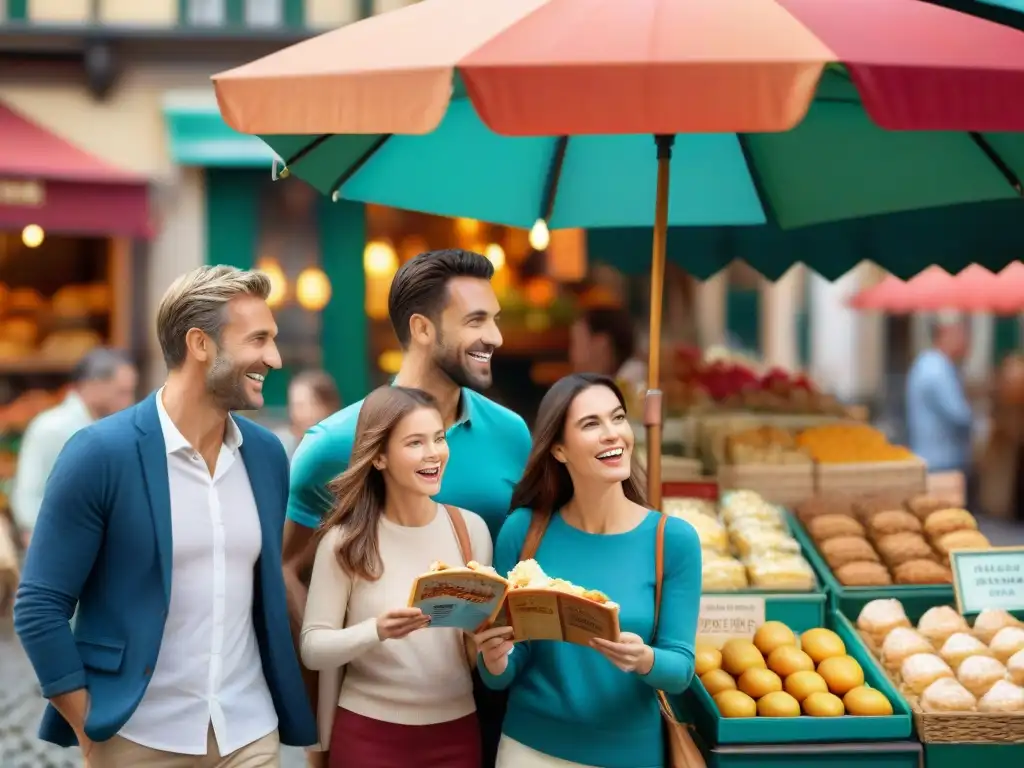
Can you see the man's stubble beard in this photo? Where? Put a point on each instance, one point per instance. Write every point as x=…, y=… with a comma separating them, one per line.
x=447, y=360
x=223, y=384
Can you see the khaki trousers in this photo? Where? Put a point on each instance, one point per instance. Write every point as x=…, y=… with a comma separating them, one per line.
x=122, y=753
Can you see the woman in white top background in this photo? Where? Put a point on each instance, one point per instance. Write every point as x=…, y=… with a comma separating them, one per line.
x=406, y=695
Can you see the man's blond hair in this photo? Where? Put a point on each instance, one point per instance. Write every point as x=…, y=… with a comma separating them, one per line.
x=198, y=299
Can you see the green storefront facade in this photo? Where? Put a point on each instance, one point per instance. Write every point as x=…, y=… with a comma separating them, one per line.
x=237, y=169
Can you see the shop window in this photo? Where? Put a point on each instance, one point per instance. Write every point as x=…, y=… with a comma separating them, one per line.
x=59, y=298
x=206, y=13
x=264, y=13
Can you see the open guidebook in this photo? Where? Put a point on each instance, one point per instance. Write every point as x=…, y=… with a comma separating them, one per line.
x=538, y=607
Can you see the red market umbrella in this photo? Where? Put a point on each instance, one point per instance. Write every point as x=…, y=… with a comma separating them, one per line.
x=660, y=67
x=975, y=289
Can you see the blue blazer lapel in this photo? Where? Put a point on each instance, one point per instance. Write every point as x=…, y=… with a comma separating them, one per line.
x=264, y=486
x=153, y=456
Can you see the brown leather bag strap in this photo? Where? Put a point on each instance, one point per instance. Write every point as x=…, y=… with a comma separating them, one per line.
x=461, y=532
x=534, y=534
x=659, y=569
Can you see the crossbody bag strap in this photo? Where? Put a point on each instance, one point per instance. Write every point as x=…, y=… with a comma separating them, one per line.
x=461, y=532
x=659, y=578
x=538, y=525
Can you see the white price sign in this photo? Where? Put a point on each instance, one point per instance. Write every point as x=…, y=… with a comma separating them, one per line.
x=724, y=617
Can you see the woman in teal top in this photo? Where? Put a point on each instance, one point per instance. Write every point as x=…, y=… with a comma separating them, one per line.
x=572, y=705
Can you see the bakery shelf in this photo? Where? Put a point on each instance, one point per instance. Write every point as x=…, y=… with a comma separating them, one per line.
x=849, y=601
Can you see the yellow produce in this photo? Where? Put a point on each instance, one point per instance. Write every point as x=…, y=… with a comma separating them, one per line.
x=867, y=702
x=788, y=659
x=756, y=682
x=846, y=442
x=706, y=658
x=740, y=655
x=735, y=704
x=821, y=644
x=841, y=674
x=772, y=635
x=823, y=705
x=778, y=704
x=717, y=680
x=802, y=684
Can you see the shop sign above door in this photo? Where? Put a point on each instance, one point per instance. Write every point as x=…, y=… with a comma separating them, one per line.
x=24, y=193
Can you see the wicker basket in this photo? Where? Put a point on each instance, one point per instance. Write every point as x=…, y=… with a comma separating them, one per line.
x=909, y=477
x=785, y=484
x=954, y=727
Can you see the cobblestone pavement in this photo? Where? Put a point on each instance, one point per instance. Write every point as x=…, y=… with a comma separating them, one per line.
x=21, y=706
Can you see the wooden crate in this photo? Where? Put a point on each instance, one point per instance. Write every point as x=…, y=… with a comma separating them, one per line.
x=910, y=477
x=674, y=469
x=786, y=484
x=951, y=486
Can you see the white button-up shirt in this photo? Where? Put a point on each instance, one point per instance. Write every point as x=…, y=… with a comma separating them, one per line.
x=42, y=443
x=208, y=671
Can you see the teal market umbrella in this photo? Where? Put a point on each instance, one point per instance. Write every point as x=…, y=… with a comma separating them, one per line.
x=835, y=165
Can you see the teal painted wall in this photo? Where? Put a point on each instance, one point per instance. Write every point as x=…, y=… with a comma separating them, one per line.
x=1006, y=337
x=232, y=227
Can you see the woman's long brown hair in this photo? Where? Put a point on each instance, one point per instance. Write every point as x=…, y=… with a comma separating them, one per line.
x=359, y=493
x=546, y=485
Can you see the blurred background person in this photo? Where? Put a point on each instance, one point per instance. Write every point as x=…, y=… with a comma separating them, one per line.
x=312, y=397
x=1001, y=469
x=602, y=340
x=103, y=382
x=939, y=416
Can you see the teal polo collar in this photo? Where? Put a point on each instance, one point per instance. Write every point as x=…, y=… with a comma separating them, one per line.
x=465, y=414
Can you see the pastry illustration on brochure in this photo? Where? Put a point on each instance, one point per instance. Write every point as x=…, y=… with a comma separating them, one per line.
x=466, y=597
x=540, y=607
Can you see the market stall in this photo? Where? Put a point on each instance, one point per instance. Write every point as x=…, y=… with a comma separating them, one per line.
x=914, y=591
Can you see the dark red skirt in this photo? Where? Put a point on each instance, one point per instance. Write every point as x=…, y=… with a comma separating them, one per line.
x=362, y=742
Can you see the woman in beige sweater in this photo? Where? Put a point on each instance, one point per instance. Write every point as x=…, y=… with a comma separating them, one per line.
x=406, y=697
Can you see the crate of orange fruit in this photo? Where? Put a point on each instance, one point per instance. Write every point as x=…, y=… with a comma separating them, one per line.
x=791, y=684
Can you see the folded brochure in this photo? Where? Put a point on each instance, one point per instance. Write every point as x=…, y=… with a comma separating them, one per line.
x=536, y=606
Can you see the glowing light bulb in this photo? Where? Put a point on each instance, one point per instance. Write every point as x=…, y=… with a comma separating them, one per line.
x=380, y=259
x=313, y=289
x=32, y=236
x=278, y=281
x=496, y=255
x=540, y=237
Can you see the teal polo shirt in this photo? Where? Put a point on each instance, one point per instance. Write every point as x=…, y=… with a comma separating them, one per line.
x=488, y=448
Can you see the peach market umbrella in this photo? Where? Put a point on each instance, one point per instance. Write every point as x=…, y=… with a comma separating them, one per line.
x=975, y=289
x=660, y=67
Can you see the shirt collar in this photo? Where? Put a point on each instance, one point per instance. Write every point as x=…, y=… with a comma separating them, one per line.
x=174, y=441
x=465, y=414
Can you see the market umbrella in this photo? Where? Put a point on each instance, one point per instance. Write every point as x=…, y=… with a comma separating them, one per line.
x=557, y=68
x=976, y=289
x=990, y=234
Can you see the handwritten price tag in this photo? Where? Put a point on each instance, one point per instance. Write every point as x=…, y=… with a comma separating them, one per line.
x=988, y=578
x=725, y=617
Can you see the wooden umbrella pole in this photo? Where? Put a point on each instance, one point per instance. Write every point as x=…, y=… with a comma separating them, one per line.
x=653, y=410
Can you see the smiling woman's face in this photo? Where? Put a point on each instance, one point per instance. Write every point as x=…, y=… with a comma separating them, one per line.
x=417, y=453
x=598, y=441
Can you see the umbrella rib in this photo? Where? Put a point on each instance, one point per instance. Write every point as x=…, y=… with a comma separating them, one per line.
x=547, y=205
x=997, y=161
x=307, y=149
x=353, y=169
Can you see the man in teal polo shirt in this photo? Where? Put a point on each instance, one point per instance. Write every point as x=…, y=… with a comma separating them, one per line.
x=444, y=312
